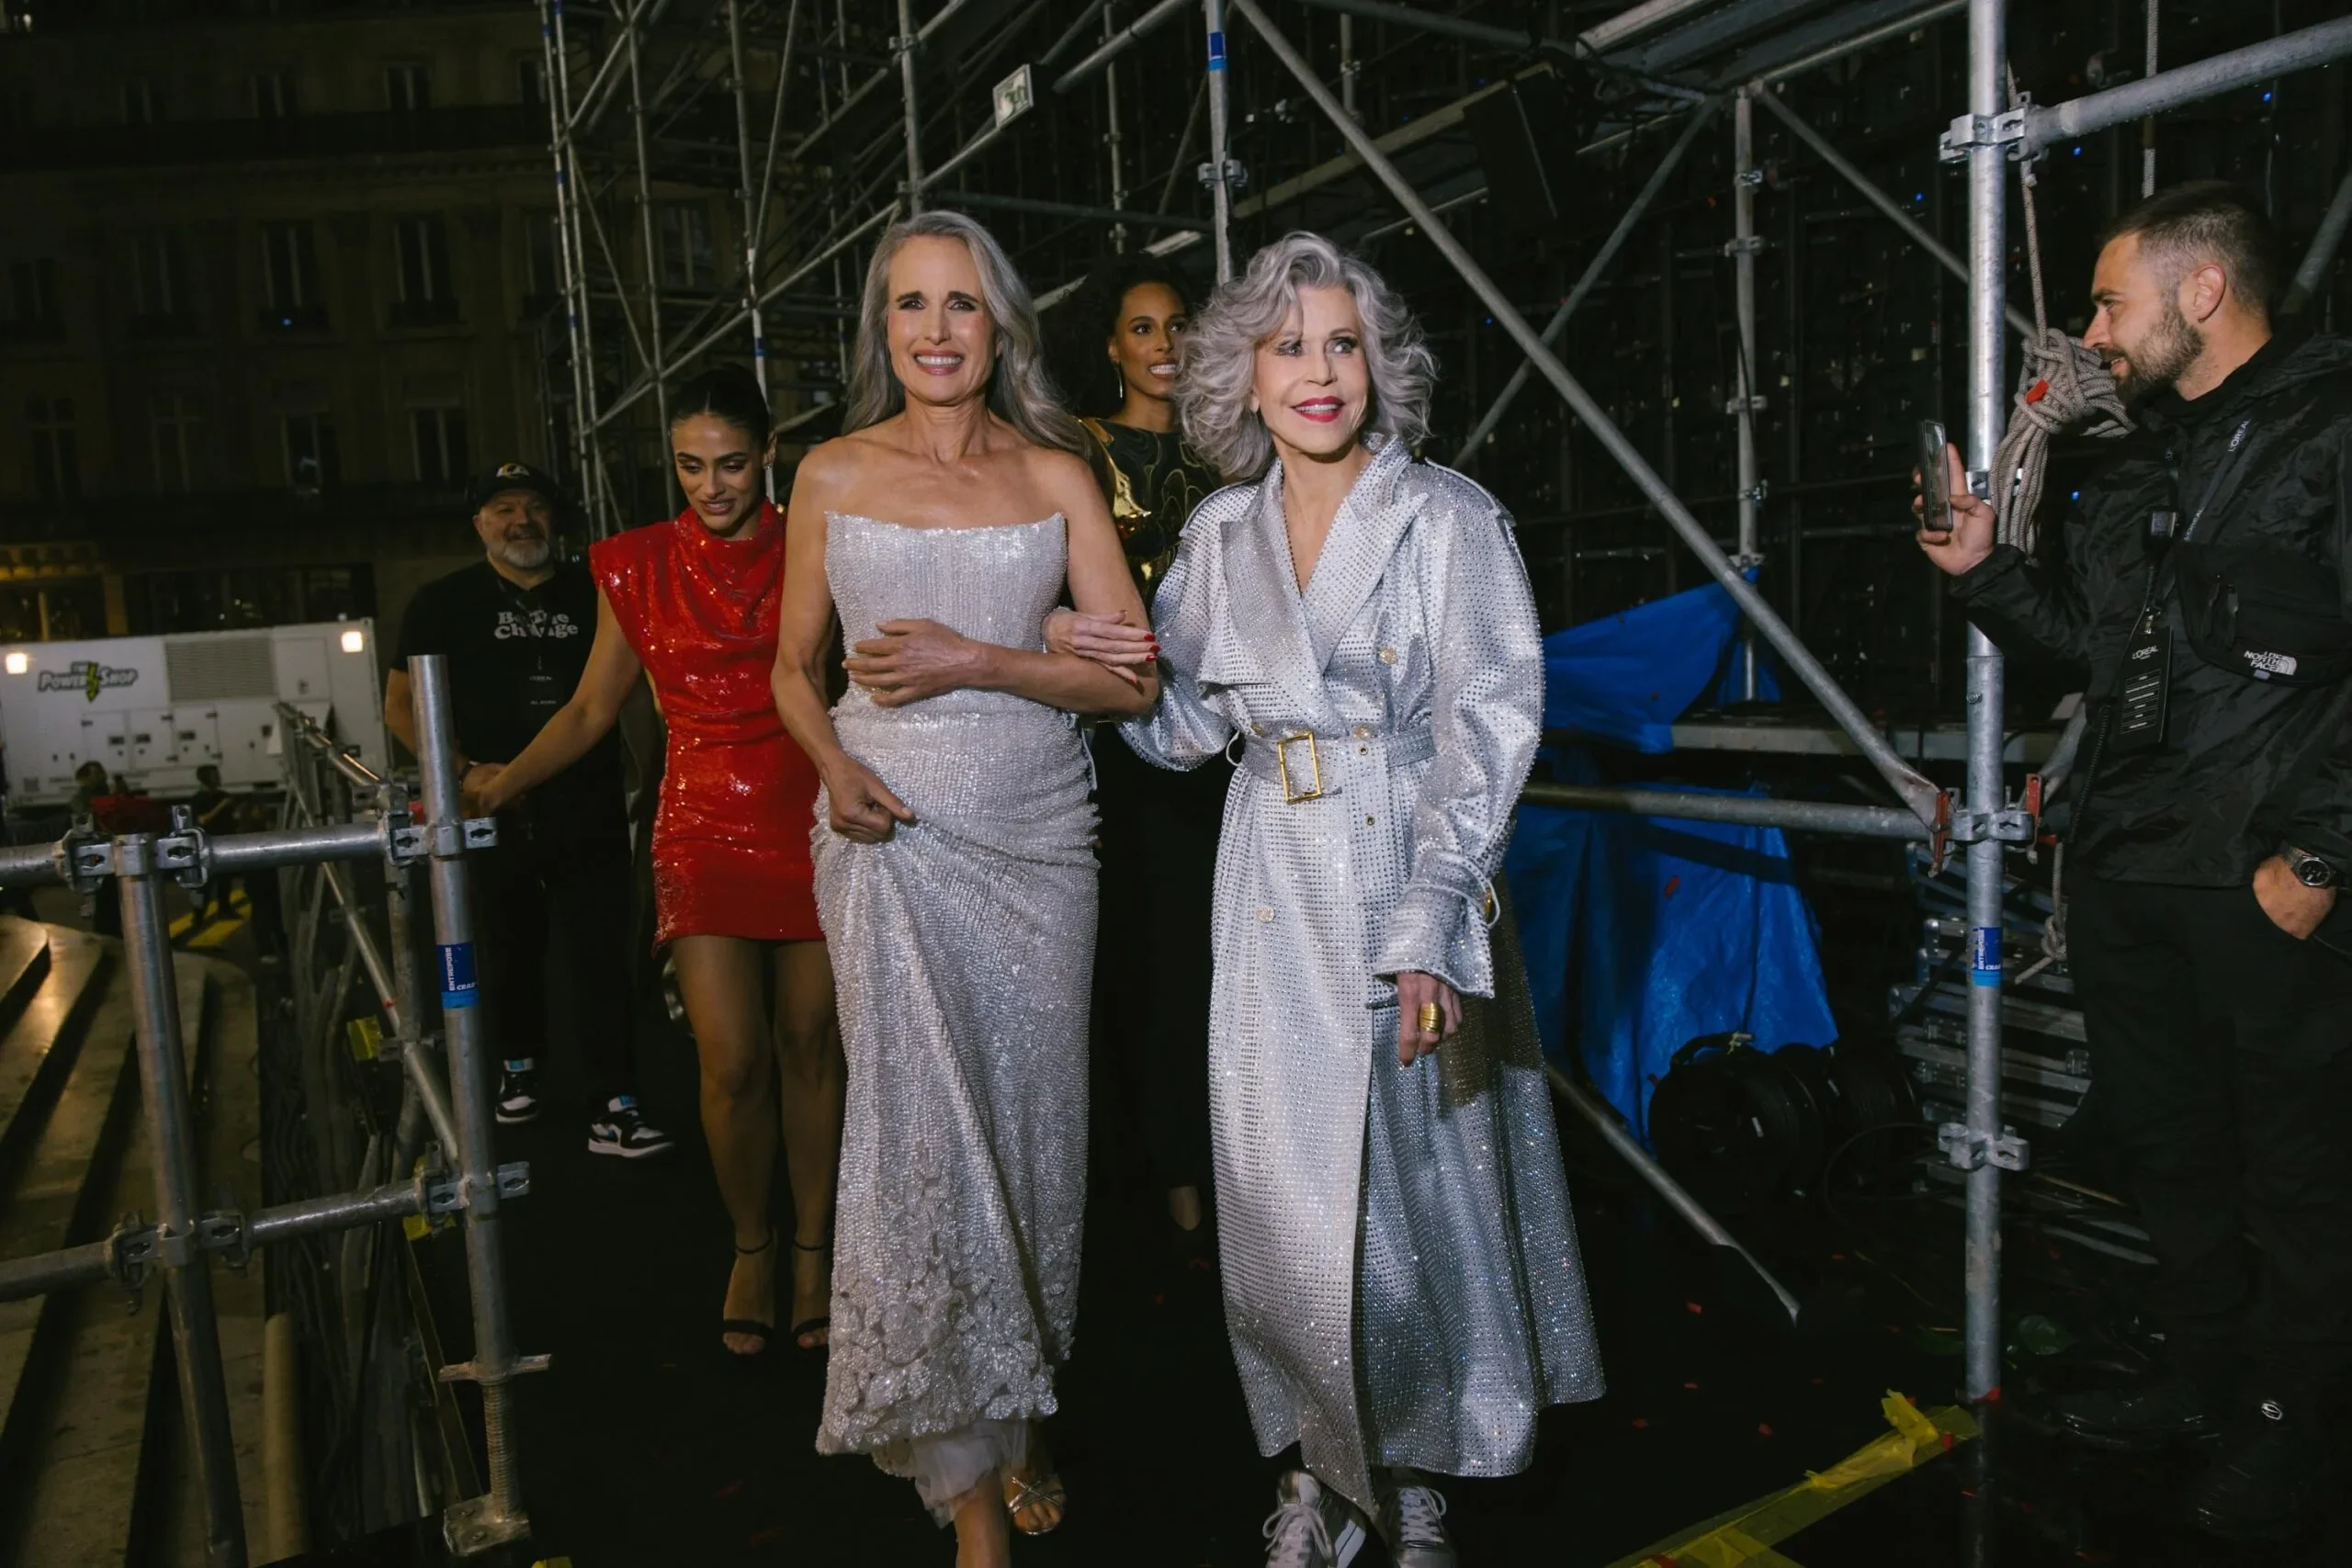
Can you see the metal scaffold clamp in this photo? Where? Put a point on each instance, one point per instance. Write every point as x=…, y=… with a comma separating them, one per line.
x=1973, y=1151
x=184, y=854
x=406, y=842
x=1969, y=131
x=1235, y=177
x=2010, y=826
x=82, y=858
x=130, y=1250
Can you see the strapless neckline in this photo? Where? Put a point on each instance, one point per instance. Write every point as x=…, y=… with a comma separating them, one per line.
x=920, y=529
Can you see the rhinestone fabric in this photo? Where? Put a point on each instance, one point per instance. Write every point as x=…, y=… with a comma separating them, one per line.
x=1402, y=1279
x=963, y=952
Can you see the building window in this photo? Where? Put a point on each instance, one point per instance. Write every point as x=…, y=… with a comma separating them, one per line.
x=142, y=103
x=159, y=299
x=32, y=298
x=172, y=426
x=543, y=245
x=531, y=80
x=293, y=300
x=408, y=88
x=421, y=257
x=273, y=94
x=440, y=437
x=684, y=232
x=56, y=470
x=311, y=463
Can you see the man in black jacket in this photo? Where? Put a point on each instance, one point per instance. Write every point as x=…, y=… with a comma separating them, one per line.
x=2204, y=588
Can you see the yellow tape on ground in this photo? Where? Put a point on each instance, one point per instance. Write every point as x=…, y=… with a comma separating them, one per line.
x=1747, y=1535
x=216, y=933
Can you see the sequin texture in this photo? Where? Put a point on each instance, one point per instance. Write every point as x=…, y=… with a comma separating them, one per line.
x=963, y=950
x=730, y=842
x=1402, y=1279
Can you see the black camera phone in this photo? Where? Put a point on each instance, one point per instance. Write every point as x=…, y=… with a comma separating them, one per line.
x=1935, y=493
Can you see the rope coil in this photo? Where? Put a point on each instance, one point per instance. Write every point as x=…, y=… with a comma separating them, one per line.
x=2061, y=385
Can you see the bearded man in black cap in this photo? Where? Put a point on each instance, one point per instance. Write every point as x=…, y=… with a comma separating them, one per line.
x=515, y=630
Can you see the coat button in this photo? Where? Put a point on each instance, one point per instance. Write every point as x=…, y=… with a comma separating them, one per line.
x=1265, y=915
x=1256, y=729
x=1363, y=732
x=1388, y=656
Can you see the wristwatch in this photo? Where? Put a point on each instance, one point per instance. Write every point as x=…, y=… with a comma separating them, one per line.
x=2309, y=869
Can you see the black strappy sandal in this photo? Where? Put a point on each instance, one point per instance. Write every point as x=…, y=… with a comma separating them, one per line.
x=821, y=1322
x=750, y=1326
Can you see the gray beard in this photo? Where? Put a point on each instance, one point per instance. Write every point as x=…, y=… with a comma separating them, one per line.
x=2159, y=364
x=523, y=555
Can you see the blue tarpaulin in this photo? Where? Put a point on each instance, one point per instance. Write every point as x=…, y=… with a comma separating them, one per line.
x=1626, y=678
x=1644, y=932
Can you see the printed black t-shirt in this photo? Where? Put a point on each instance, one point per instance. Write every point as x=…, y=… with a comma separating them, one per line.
x=515, y=656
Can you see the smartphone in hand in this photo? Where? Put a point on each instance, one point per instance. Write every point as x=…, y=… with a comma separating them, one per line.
x=1935, y=492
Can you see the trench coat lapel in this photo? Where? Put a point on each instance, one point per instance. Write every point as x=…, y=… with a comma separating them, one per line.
x=1264, y=639
x=1379, y=507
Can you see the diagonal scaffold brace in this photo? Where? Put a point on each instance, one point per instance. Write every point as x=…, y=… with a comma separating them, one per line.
x=1922, y=795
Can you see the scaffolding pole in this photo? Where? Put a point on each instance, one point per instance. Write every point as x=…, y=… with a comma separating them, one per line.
x=654, y=365
x=1219, y=170
x=1924, y=799
x=1846, y=169
x=1111, y=140
x=1593, y=269
x=598, y=497
x=574, y=288
x=2077, y=117
x=1745, y=399
x=903, y=46
x=1980, y=1146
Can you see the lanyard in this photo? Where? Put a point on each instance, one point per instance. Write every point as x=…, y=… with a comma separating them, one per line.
x=2224, y=474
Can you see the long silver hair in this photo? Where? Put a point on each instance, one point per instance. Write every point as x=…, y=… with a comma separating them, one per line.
x=1020, y=391
x=1221, y=352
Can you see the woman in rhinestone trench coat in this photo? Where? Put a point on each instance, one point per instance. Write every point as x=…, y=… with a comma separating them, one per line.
x=1402, y=1282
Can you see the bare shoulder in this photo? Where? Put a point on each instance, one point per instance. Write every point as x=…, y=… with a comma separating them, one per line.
x=1060, y=474
x=831, y=470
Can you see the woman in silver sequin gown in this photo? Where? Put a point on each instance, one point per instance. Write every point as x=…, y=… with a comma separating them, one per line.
x=1401, y=1274
x=955, y=876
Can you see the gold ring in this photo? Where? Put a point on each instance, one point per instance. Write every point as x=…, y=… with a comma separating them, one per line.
x=1429, y=1018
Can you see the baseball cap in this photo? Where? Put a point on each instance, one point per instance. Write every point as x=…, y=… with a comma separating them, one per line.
x=514, y=476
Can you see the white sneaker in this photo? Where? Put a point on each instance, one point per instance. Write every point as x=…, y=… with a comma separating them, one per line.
x=1412, y=1516
x=1311, y=1528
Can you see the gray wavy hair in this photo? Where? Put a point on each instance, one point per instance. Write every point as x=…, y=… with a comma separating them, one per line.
x=1221, y=352
x=1020, y=391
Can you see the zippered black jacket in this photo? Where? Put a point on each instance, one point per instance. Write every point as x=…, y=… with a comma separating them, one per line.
x=2248, y=765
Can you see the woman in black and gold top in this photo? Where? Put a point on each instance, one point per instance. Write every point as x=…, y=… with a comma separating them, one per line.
x=1159, y=829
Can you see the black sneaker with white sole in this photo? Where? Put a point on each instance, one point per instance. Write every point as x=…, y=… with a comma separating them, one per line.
x=518, y=1092
x=621, y=1130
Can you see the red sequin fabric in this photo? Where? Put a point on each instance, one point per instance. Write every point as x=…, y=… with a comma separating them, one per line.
x=731, y=845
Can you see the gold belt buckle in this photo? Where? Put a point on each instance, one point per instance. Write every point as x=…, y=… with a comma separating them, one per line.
x=1291, y=795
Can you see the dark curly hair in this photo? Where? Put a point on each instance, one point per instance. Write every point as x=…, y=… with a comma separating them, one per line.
x=1089, y=317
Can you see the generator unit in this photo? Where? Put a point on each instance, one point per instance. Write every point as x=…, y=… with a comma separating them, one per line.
x=153, y=709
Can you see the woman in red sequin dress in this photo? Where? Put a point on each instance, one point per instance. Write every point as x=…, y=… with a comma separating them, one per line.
x=692, y=603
